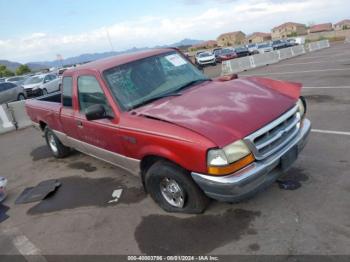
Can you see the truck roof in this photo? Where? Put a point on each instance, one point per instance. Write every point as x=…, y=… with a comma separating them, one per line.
x=110, y=62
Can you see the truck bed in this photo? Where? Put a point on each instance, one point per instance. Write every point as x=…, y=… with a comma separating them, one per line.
x=45, y=109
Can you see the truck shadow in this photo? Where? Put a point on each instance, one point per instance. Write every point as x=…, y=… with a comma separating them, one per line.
x=196, y=235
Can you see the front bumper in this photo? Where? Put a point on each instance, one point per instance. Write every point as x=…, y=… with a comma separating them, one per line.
x=33, y=92
x=212, y=61
x=254, y=177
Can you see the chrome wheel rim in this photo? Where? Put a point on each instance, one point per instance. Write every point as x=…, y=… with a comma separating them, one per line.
x=172, y=192
x=52, y=143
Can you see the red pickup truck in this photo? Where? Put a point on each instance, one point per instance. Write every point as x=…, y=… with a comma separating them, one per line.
x=188, y=137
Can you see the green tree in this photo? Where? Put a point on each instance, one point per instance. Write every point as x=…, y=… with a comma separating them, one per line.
x=4, y=72
x=7, y=73
x=22, y=69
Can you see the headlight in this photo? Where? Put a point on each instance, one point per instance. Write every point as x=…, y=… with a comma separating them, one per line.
x=229, y=159
x=236, y=151
x=301, y=106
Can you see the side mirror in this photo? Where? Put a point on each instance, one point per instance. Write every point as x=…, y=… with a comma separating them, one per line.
x=95, y=112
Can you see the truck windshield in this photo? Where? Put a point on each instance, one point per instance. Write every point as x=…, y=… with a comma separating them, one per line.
x=134, y=84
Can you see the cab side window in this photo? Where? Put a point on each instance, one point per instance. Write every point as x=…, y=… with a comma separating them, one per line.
x=67, y=91
x=90, y=93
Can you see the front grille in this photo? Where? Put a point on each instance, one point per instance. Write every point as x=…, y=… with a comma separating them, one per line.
x=275, y=135
x=31, y=92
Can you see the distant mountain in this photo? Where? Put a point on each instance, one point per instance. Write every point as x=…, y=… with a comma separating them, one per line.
x=10, y=65
x=96, y=56
x=186, y=42
x=14, y=65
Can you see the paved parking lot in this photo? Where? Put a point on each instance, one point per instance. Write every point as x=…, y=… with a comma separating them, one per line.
x=313, y=219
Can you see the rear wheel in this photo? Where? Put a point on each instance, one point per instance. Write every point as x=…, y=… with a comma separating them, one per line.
x=173, y=189
x=55, y=145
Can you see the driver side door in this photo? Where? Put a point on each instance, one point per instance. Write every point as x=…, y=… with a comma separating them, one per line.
x=101, y=137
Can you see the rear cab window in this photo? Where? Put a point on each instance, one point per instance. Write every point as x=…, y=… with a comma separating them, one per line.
x=67, y=91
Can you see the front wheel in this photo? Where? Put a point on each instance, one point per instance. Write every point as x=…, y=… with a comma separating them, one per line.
x=44, y=92
x=55, y=145
x=21, y=97
x=173, y=189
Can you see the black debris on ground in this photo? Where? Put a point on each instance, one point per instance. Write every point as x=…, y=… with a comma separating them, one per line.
x=3, y=210
x=39, y=192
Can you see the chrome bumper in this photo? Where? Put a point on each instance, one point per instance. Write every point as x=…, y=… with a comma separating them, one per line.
x=206, y=62
x=254, y=177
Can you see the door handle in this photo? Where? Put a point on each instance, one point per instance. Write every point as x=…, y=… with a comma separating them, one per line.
x=79, y=124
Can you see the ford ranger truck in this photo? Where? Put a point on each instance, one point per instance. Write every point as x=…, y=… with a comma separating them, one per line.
x=189, y=138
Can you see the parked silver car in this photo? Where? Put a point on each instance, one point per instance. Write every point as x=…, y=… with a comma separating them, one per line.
x=10, y=92
x=38, y=85
x=264, y=48
x=18, y=80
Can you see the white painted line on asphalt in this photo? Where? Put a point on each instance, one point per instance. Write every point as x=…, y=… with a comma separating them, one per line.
x=24, y=246
x=301, y=72
x=330, y=132
x=326, y=87
x=319, y=62
x=316, y=56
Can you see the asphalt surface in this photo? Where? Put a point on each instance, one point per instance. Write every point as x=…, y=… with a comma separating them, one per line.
x=77, y=218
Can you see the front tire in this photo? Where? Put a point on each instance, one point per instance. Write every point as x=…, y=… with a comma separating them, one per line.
x=44, y=92
x=173, y=189
x=21, y=97
x=55, y=145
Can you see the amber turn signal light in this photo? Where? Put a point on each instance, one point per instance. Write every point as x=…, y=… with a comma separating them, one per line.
x=231, y=168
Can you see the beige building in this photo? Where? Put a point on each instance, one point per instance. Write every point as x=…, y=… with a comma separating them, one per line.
x=258, y=37
x=321, y=28
x=232, y=38
x=288, y=29
x=342, y=25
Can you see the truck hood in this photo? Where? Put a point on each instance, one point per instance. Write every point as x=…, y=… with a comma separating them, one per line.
x=226, y=111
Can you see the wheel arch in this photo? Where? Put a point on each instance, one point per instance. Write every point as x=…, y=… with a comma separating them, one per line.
x=148, y=160
x=42, y=125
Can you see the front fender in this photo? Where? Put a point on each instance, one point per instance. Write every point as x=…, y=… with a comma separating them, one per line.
x=291, y=89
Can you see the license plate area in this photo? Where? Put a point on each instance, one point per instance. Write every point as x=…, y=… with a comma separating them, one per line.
x=289, y=158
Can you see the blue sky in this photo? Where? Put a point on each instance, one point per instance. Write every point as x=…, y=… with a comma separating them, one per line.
x=33, y=30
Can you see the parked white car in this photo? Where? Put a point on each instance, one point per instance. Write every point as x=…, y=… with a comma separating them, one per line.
x=42, y=84
x=253, y=48
x=264, y=48
x=205, y=58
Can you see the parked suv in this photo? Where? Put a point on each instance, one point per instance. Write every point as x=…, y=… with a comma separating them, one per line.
x=279, y=44
x=10, y=92
x=205, y=58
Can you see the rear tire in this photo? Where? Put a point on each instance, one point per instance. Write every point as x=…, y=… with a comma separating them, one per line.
x=55, y=145
x=165, y=178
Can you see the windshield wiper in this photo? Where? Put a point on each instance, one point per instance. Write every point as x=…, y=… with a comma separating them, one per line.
x=154, y=99
x=191, y=83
